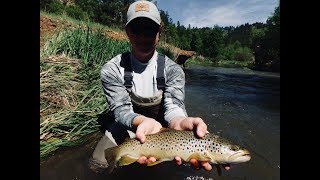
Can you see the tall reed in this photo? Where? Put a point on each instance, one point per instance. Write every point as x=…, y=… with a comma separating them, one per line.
x=71, y=96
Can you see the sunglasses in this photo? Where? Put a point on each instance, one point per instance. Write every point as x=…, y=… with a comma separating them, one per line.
x=147, y=29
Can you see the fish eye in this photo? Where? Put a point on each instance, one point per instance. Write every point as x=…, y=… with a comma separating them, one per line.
x=234, y=148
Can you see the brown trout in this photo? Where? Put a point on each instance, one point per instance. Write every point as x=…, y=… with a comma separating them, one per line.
x=168, y=143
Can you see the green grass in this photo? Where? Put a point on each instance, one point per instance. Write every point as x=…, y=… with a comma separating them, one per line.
x=66, y=19
x=71, y=95
x=196, y=60
x=234, y=64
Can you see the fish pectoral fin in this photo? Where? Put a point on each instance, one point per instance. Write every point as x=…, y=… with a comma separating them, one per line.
x=126, y=160
x=156, y=162
x=199, y=157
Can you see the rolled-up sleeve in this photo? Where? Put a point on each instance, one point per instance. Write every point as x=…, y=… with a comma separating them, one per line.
x=116, y=94
x=174, y=92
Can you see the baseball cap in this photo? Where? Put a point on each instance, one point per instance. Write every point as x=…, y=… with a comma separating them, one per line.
x=143, y=8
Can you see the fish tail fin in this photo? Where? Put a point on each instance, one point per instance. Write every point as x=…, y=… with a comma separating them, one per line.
x=111, y=157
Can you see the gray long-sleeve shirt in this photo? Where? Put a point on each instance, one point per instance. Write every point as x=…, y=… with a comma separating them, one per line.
x=145, y=85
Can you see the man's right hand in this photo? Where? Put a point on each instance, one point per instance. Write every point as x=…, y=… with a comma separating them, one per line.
x=145, y=126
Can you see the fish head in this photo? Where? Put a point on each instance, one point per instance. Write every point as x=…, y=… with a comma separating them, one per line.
x=222, y=151
x=237, y=154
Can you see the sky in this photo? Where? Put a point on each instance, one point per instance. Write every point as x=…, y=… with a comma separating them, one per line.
x=208, y=13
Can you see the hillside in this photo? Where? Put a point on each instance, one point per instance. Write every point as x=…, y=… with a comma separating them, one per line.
x=50, y=25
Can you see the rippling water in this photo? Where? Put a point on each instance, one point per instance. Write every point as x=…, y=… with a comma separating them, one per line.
x=240, y=105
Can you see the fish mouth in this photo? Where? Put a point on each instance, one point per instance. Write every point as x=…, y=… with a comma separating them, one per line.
x=240, y=156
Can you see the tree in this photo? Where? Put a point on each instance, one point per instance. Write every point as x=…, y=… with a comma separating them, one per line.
x=212, y=41
x=196, y=42
x=272, y=41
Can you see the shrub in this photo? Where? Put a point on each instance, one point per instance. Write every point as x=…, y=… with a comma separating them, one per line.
x=77, y=13
x=55, y=7
x=243, y=54
x=166, y=52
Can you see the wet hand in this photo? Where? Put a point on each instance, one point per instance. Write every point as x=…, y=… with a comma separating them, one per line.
x=145, y=126
x=189, y=123
x=145, y=160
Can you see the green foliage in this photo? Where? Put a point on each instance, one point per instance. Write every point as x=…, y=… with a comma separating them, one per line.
x=243, y=54
x=80, y=85
x=55, y=7
x=89, y=6
x=235, y=52
x=77, y=13
x=199, y=61
x=273, y=34
x=269, y=53
x=235, y=64
x=92, y=47
x=165, y=17
x=196, y=41
x=212, y=42
x=166, y=51
x=170, y=34
x=44, y=4
x=258, y=34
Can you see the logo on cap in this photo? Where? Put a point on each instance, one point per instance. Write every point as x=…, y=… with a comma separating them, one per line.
x=142, y=7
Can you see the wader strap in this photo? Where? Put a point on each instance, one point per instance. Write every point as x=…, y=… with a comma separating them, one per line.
x=126, y=62
x=160, y=72
x=128, y=75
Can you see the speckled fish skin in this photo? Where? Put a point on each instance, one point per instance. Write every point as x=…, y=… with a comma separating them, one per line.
x=168, y=143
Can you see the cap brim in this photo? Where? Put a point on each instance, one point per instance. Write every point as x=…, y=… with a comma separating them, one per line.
x=146, y=16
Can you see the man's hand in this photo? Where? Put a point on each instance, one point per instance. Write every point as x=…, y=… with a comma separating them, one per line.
x=145, y=126
x=189, y=123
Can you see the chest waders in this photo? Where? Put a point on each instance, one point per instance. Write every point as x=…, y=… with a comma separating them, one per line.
x=151, y=107
x=115, y=133
x=148, y=106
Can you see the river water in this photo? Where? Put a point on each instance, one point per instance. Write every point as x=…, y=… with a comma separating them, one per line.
x=238, y=104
